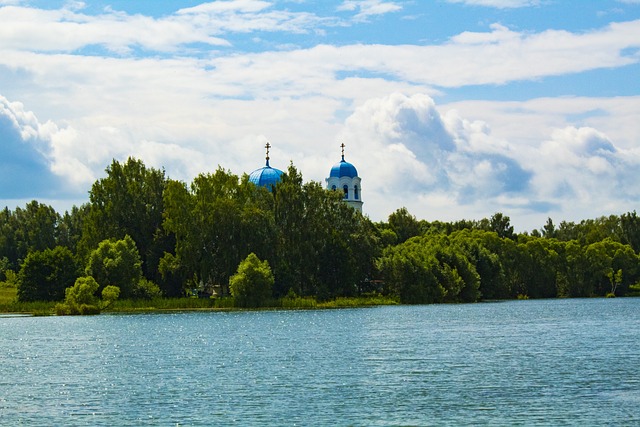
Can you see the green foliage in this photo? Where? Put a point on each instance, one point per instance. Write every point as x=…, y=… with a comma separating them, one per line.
x=252, y=285
x=80, y=298
x=116, y=262
x=217, y=222
x=430, y=269
x=44, y=275
x=109, y=295
x=146, y=289
x=196, y=235
x=128, y=201
x=173, y=276
x=364, y=301
x=296, y=302
x=8, y=294
x=324, y=248
x=4, y=267
x=404, y=225
x=10, y=278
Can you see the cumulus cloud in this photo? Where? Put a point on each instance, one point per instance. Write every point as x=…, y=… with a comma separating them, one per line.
x=190, y=112
x=24, y=164
x=584, y=164
x=443, y=166
x=416, y=153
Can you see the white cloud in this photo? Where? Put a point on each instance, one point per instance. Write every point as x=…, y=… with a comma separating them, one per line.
x=414, y=153
x=68, y=30
x=368, y=8
x=191, y=112
x=583, y=163
x=26, y=154
x=500, y=4
x=571, y=171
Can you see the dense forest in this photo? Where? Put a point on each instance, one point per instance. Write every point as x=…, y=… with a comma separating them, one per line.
x=153, y=236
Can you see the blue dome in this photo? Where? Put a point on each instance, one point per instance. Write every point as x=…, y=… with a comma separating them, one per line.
x=343, y=168
x=266, y=176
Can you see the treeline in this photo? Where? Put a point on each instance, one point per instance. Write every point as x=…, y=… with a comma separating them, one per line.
x=151, y=235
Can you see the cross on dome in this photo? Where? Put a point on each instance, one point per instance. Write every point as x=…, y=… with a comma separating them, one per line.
x=267, y=146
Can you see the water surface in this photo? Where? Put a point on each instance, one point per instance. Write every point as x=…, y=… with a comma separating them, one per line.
x=553, y=362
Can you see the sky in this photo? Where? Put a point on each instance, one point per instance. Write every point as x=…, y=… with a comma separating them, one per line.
x=454, y=109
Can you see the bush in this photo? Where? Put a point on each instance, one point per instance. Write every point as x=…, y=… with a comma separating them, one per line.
x=252, y=285
x=146, y=289
x=80, y=298
x=116, y=262
x=44, y=275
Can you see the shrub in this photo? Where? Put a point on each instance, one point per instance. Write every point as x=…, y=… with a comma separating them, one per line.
x=252, y=285
x=44, y=275
x=80, y=298
x=116, y=262
x=146, y=289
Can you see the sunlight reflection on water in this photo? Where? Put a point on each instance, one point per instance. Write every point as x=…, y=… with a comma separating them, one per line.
x=521, y=362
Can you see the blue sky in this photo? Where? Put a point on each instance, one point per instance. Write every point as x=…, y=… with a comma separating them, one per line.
x=455, y=109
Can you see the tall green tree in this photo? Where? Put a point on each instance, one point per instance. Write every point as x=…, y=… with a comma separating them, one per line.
x=429, y=269
x=501, y=225
x=128, y=201
x=630, y=230
x=324, y=248
x=404, y=224
x=217, y=221
x=32, y=228
x=116, y=263
x=44, y=275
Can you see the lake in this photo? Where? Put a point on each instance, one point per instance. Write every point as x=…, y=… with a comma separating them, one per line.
x=550, y=362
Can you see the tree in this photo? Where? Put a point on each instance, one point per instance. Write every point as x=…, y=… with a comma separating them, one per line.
x=404, y=224
x=44, y=275
x=630, y=225
x=252, y=285
x=33, y=228
x=430, y=269
x=501, y=224
x=80, y=298
x=69, y=231
x=109, y=295
x=549, y=229
x=217, y=221
x=128, y=201
x=116, y=262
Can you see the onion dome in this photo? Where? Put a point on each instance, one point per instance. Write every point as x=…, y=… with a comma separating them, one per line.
x=266, y=176
x=342, y=169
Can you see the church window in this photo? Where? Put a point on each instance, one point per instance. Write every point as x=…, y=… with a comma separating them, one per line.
x=333, y=187
x=346, y=191
x=355, y=192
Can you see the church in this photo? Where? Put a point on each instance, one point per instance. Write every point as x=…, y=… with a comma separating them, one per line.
x=342, y=177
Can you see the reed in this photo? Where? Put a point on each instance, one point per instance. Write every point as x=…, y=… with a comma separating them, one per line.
x=297, y=303
x=129, y=305
x=363, y=301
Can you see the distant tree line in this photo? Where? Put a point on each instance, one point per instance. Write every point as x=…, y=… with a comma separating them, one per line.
x=150, y=235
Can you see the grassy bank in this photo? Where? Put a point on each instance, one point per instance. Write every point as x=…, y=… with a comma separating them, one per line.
x=177, y=304
x=10, y=304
